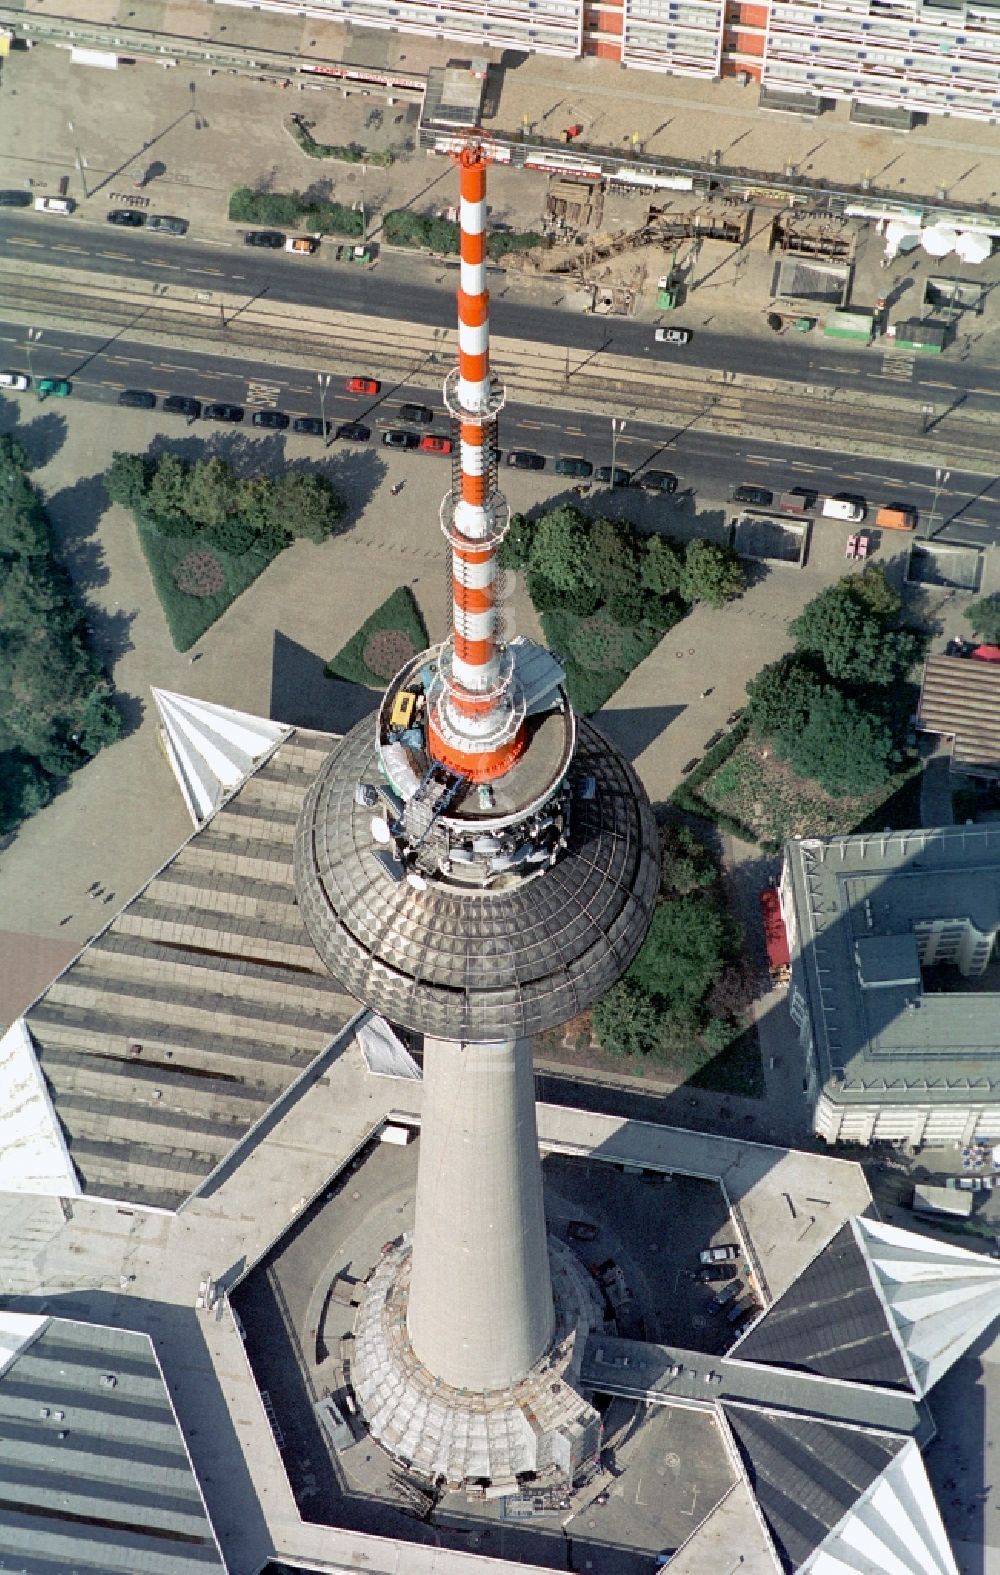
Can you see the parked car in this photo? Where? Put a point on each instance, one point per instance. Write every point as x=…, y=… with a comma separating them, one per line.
x=301, y=245
x=57, y=387
x=182, y=405
x=395, y=437
x=658, y=481
x=353, y=432
x=137, y=399
x=568, y=465
x=750, y=1314
x=616, y=475
x=310, y=426
x=223, y=412
x=728, y=1294
x=18, y=380
x=126, y=217
x=167, y=223
x=724, y=1254
x=581, y=1230
x=716, y=1274
x=15, y=199
x=845, y=506
x=362, y=385
x=673, y=336
x=274, y=240
x=63, y=205
x=273, y=420
x=435, y=445
x=423, y=415
x=524, y=459
x=745, y=493
x=736, y=1312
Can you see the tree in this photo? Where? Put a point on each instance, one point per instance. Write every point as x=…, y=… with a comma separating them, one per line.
x=843, y=748
x=984, y=618
x=684, y=950
x=167, y=493
x=211, y=493
x=614, y=557
x=783, y=694
x=685, y=862
x=626, y=1020
x=256, y=502
x=712, y=573
x=24, y=788
x=662, y=566
x=304, y=504
x=850, y=640
x=126, y=479
x=559, y=563
x=872, y=588
x=513, y=550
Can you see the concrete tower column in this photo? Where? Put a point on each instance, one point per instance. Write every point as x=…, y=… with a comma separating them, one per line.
x=480, y=1308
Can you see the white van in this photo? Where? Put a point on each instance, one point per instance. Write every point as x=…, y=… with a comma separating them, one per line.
x=54, y=205
x=843, y=509
x=18, y=380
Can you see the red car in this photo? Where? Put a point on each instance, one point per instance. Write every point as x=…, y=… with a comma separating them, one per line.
x=435, y=445
x=362, y=385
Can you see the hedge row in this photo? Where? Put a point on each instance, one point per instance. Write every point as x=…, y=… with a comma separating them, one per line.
x=292, y=210
x=349, y=153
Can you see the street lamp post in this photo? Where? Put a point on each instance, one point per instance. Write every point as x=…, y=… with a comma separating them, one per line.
x=616, y=427
x=323, y=380
x=941, y=479
x=79, y=157
x=34, y=334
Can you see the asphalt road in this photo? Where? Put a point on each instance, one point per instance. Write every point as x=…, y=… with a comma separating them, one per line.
x=422, y=290
x=708, y=466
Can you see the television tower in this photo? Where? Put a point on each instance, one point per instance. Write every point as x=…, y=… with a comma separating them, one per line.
x=477, y=866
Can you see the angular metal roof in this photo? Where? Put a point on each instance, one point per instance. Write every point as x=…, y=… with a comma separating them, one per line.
x=34, y=1157
x=806, y=1474
x=940, y=1298
x=212, y=748
x=894, y=1528
x=832, y=1321
x=94, y=1472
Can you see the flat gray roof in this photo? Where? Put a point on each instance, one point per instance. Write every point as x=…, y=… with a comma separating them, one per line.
x=858, y=903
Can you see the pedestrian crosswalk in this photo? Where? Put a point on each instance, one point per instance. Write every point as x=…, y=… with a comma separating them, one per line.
x=898, y=364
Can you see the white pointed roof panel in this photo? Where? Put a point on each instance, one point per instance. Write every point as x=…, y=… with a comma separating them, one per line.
x=34, y=1157
x=16, y=1331
x=212, y=748
x=895, y=1528
x=940, y=1298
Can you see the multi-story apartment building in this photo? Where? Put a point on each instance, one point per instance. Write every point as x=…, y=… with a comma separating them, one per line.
x=931, y=56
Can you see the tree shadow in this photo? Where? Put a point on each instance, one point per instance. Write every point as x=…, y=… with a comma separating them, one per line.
x=42, y=437
x=74, y=513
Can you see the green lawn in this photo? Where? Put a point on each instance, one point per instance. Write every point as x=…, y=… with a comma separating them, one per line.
x=758, y=790
x=386, y=641
x=598, y=653
x=188, y=616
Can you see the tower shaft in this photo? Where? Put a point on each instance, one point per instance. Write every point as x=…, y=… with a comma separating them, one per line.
x=480, y=1310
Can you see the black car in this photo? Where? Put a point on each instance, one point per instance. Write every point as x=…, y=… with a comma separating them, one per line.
x=223, y=413
x=617, y=475
x=759, y=495
x=569, y=465
x=310, y=426
x=524, y=459
x=273, y=420
x=397, y=438
x=137, y=399
x=421, y=414
x=581, y=1230
x=716, y=1273
x=127, y=217
x=182, y=405
x=353, y=432
x=274, y=240
x=166, y=222
x=15, y=199
x=658, y=481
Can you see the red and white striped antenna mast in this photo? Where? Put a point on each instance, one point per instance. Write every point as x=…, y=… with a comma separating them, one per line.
x=476, y=717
